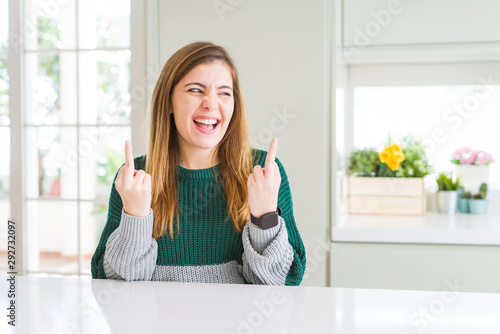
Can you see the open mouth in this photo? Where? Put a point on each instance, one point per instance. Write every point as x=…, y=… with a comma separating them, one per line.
x=206, y=124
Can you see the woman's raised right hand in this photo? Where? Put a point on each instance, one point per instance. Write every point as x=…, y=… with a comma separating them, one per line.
x=134, y=186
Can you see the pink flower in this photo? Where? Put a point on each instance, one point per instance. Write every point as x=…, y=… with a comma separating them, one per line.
x=468, y=158
x=458, y=154
x=484, y=158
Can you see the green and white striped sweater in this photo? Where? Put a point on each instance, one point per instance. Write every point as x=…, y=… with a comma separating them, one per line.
x=207, y=248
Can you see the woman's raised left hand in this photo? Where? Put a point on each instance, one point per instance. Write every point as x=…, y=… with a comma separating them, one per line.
x=264, y=184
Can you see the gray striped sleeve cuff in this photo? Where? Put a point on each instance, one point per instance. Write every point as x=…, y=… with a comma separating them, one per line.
x=260, y=239
x=131, y=251
x=138, y=229
x=271, y=264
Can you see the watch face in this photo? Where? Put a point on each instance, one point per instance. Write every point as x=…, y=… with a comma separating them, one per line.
x=266, y=221
x=269, y=220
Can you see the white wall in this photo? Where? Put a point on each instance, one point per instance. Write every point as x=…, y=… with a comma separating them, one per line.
x=283, y=52
x=415, y=266
x=394, y=31
x=405, y=22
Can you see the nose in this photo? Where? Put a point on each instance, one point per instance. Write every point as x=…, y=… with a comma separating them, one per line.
x=210, y=102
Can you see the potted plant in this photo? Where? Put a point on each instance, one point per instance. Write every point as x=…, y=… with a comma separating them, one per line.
x=364, y=162
x=389, y=182
x=479, y=202
x=472, y=166
x=463, y=201
x=447, y=196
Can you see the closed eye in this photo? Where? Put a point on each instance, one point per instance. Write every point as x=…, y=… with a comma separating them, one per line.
x=225, y=93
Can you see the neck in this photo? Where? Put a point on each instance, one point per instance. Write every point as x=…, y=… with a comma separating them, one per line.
x=197, y=158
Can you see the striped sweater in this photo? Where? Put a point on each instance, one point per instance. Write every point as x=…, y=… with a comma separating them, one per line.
x=207, y=247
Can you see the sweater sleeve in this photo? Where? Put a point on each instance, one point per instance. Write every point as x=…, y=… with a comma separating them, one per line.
x=131, y=251
x=113, y=221
x=267, y=254
x=277, y=255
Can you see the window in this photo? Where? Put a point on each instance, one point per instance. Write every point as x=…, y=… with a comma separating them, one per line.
x=445, y=117
x=77, y=116
x=4, y=134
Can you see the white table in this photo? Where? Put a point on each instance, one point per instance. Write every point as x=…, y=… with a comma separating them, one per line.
x=82, y=305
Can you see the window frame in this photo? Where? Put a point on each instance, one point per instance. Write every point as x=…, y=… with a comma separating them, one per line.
x=18, y=125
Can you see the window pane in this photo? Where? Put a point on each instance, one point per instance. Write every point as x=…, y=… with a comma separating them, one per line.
x=104, y=24
x=4, y=92
x=93, y=218
x=51, y=88
x=4, y=135
x=5, y=162
x=339, y=121
x=4, y=195
x=50, y=24
x=51, y=234
x=4, y=216
x=446, y=118
x=105, y=156
x=4, y=25
x=52, y=158
x=104, y=87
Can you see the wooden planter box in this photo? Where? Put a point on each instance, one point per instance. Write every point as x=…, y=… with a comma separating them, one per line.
x=387, y=196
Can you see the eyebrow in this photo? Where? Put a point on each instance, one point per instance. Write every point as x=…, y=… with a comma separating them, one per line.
x=203, y=86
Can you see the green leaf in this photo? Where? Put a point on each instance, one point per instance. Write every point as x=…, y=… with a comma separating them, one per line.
x=445, y=182
x=364, y=162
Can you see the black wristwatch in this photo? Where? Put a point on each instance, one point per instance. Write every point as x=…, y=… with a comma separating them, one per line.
x=267, y=220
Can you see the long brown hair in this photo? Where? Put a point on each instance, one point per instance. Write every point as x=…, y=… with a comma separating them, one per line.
x=233, y=151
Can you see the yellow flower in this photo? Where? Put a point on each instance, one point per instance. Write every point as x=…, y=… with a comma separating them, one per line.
x=392, y=156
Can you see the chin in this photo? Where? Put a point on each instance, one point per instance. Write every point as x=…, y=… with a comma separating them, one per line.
x=206, y=144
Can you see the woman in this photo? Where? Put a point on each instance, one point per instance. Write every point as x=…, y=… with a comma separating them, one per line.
x=222, y=210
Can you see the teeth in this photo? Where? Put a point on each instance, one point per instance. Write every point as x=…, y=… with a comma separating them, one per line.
x=206, y=121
